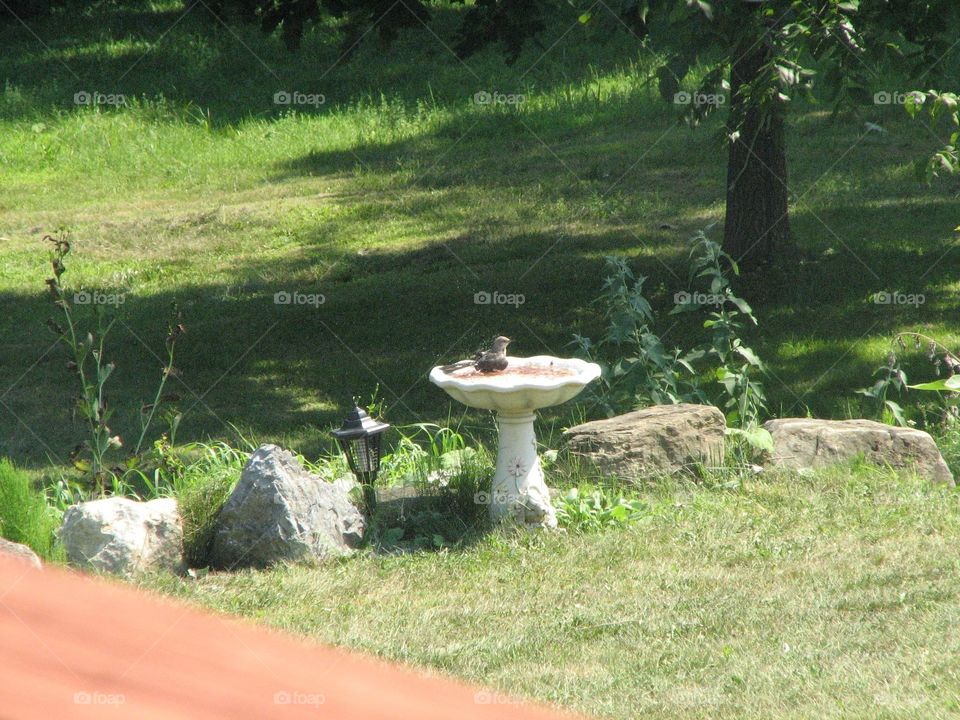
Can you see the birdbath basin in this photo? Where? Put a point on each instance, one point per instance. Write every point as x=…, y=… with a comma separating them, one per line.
x=519, y=492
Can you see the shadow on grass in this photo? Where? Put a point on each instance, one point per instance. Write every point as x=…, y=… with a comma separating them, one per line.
x=231, y=69
x=287, y=371
x=405, y=522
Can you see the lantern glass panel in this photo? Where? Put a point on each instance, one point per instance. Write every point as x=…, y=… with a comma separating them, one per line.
x=363, y=455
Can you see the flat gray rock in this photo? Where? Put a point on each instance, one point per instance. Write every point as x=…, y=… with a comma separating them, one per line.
x=658, y=440
x=800, y=443
x=279, y=512
x=123, y=536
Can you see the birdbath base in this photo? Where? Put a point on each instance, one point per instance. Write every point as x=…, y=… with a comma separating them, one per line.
x=515, y=393
x=519, y=492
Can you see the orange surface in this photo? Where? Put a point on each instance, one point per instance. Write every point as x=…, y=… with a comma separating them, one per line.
x=73, y=646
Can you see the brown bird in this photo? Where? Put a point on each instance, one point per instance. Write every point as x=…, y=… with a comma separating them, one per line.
x=493, y=359
x=485, y=361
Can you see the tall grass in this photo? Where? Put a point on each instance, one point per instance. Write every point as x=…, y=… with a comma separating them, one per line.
x=25, y=516
x=201, y=490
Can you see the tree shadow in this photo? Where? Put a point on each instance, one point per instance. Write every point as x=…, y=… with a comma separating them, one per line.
x=232, y=71
x=276, y=361
x=286, y=371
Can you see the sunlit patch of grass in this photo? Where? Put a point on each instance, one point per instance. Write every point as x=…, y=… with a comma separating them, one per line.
x=786, y=596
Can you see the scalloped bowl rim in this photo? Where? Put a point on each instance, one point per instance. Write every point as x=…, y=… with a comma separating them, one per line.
x=586, y=372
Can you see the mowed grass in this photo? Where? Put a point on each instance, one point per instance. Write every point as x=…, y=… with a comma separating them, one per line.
x=829, y=596
x=397, y=200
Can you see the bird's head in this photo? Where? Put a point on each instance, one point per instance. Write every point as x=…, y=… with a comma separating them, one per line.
x=500, y=344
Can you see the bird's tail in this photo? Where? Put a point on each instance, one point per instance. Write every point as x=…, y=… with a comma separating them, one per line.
x=456, y=366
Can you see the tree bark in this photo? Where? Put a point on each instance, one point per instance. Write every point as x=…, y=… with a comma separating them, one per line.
x=757, y=226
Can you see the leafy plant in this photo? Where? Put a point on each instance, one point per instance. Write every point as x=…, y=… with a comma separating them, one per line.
x=448, y=474
x=891, y=377
x=938, y=105
x=637, y=370
x=420, y=525
x=736, y=364
x=590, y=509
x=87, y=362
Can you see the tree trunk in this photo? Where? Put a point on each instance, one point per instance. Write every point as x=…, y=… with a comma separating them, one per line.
x=757, y=228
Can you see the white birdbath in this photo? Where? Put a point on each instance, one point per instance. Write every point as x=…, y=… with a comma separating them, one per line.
x=527, y=385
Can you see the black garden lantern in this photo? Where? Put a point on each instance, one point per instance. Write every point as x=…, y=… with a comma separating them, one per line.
x=360, y=439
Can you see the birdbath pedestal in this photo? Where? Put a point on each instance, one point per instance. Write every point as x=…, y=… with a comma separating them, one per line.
x=519, y=491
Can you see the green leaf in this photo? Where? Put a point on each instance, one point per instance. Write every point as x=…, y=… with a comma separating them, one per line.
x=455, y=460
x=788, y=75
x=757, y=437
x=950, y=384
x=749, y=355
x=705, y=8
x=742, y=305
x=914, y=103
x=896, y=411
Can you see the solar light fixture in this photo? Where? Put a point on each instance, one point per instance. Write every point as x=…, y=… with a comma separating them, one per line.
x=360, y=439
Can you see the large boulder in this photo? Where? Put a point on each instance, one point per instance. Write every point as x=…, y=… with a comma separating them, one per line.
x=279, y=512
x=657, y=440
x=122, y=536
x=801, y=443
x=16, y=551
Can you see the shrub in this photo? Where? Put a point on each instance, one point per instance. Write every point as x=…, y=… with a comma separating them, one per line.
x=639, y=370
x=25, y=516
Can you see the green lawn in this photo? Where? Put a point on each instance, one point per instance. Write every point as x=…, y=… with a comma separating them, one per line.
x=826, y=597
x=397, y=200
